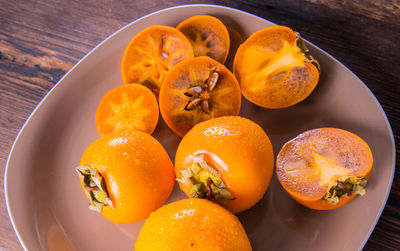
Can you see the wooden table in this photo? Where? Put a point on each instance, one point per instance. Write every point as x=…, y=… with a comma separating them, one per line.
x=41, y=40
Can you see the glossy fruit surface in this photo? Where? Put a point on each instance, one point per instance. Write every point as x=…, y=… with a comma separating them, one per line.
x=324, y=168
x=196, y=90
x=208, y=36
x=127, y=108
x=275, y=69
x=192, y=224
x=152, y=53
x=136, y=171
x=228, y=159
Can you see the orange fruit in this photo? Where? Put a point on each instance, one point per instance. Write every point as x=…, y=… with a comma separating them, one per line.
x=192, y=224
x=196, y=90
x=208, y=36
x=127, y=108
x=228, y=160
x=126, y=176
x=275, y=69
x=152, y=53
x=324, y=168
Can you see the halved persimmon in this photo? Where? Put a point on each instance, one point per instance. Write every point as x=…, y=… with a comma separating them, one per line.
x=228, y=160
x=208, y=36
x=275, y=69
x=192, y=224
x=324, y=168
x=152, y=53
x=126, y=108
x=126, y=176
x=196, y=90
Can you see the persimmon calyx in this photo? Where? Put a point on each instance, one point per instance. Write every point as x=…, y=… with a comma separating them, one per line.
x=306, y=52
x=200, y=94
x=345, y=186
x=95, y=187
x=205, y=181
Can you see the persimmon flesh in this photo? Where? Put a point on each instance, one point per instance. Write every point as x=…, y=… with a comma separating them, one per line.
x=196, y=90
x=324, y=168
x=126, y=108
x=228, y=160
x=275, y=69
x=152, y=53
x=208, y=36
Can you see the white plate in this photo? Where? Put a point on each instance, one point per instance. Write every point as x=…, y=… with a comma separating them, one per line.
x=49, y=211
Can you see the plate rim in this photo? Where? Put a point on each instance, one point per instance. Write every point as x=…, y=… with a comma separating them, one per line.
x=17, y=138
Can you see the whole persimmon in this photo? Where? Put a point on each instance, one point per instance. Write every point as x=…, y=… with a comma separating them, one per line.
x=192, y=224
x=324, y=168
x=126, y=176
x=275, y=69
x=196, y=90
x=228, y=160
x=126, y=108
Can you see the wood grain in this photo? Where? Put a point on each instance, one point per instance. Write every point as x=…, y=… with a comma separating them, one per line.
x=41, y=40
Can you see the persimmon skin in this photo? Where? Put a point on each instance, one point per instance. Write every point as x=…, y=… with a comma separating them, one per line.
x=192, y=224
x=332, y=143
x=137, y=171
x=208, y=36
x=321, y=204
x=137, y=109
x=241, y=152
x=272, y=70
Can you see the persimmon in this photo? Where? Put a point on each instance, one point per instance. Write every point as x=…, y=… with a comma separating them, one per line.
x=196, y=90
x=275, y=69
x=208, y=36
x=152, y=53
x=228, y=160
x=192, y=224
x=127, y=108
x=324, y=168
x=126, y=176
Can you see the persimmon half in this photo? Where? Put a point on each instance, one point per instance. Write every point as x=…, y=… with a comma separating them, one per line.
x=228, y=160
x=275, y=69
x=152, y=53
x=208, y=36
x=126, y=176
x=192, y=224
x=126, y=108
x=196, y=90
x=324, y=168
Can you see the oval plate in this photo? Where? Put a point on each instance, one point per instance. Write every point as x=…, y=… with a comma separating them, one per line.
x=49, y=211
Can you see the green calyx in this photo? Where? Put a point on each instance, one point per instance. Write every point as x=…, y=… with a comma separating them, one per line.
x=95, y=188
x=346, y=186
x=303, y=48
x=205, y=181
